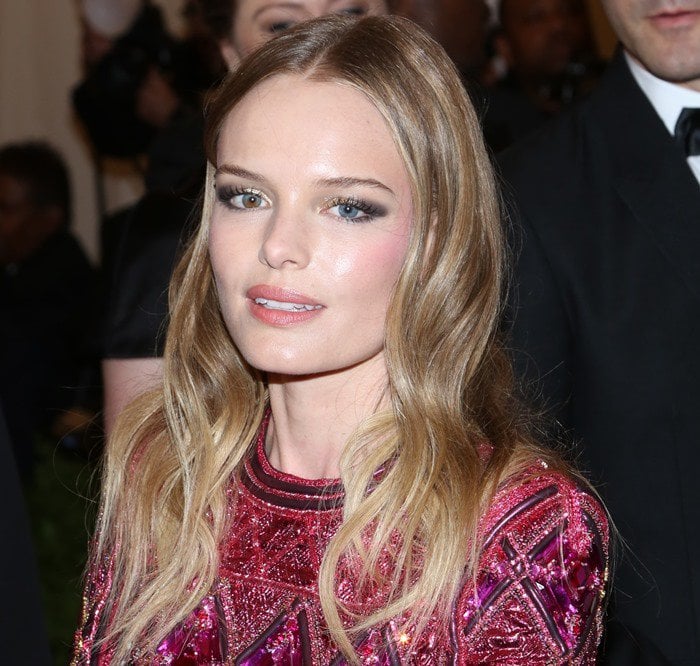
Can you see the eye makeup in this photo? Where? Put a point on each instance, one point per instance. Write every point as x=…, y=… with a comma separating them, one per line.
x=243, y=198
x=353, y=209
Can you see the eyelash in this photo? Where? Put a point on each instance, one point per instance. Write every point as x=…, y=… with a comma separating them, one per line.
x=226, y=194
x=369, y=211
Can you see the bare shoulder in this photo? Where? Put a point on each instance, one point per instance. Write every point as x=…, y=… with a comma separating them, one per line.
x=537, y=597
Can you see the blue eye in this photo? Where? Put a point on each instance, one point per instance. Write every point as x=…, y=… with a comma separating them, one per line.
x=354, y=210
x=348, y=211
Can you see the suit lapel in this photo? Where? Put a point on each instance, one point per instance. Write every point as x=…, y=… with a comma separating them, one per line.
x=651, y=175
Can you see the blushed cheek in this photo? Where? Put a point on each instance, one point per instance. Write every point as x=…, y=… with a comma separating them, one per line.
x=380, y=266
x=372, y=265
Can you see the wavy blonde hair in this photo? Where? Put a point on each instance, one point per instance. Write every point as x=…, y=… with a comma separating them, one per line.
x=173, y=453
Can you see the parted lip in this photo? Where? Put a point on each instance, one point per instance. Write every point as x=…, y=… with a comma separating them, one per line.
x=280, y=294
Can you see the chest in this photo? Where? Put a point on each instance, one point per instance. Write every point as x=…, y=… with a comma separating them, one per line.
x=266, y=608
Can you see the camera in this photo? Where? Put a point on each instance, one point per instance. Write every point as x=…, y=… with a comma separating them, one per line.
x=105, y=100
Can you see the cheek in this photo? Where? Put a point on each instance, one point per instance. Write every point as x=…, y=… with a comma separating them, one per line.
x=373, y=268
x=225, y=255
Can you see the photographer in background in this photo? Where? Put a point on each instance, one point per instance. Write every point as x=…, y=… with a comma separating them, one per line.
x=551, y=62
x=125, y=46
x=141, y=99
x=141, y=95
x=138, y=77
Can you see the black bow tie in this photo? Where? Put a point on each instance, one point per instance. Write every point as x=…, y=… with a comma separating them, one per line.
x=687, y=132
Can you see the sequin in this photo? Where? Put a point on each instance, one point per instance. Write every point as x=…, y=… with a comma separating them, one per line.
x=536, y=598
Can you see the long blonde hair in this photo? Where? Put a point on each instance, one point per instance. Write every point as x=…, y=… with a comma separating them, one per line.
x=171, y=458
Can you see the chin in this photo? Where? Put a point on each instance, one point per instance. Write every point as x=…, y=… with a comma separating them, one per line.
x=675, y=71
x=293, y=365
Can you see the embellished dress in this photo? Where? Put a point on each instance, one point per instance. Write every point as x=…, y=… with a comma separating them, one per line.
x=537, y=597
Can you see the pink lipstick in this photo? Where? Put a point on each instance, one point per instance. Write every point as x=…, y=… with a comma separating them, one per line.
x=281, y=307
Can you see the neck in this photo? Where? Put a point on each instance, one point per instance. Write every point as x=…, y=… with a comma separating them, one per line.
x=314, y=416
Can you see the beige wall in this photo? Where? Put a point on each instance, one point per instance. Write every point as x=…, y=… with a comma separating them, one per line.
x=39, y=64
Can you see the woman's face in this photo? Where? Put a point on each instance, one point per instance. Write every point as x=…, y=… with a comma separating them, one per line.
x=310, y=226
x=257, y=21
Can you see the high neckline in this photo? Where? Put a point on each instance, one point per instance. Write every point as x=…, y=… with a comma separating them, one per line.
x=287, y=490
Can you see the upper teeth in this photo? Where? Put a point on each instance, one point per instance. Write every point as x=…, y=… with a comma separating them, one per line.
x=280, y=305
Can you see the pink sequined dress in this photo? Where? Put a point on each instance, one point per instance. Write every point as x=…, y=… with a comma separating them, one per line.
x=538, y=597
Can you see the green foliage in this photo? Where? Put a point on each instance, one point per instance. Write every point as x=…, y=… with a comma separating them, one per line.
x=61, y=502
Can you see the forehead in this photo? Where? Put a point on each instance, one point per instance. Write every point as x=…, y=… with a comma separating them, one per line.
x=291, y=109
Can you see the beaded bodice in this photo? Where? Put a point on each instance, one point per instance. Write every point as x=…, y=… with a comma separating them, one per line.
x=538, y=596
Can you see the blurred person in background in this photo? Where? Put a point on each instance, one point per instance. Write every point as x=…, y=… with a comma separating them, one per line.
x=550, y=61
x=138, y=78
x=141, y=99
x=47, y=297
x=606, y=213
x=459, y=26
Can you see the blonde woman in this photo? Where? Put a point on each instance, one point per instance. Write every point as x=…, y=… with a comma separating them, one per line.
x=332, y=471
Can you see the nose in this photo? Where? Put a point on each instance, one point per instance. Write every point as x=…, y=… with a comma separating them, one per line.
x=286, y=242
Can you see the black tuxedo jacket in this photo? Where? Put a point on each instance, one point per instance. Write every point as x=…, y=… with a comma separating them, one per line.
x=606, y=329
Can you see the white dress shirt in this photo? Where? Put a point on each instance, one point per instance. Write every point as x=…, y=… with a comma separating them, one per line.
x=668, y=99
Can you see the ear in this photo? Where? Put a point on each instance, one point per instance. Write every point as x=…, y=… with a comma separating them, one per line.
x=230, y=54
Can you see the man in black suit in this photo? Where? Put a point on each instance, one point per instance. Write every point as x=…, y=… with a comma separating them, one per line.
x=606, y=309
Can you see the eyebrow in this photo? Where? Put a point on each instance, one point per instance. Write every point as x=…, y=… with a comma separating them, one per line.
x=276, y=5
x=348, y=181
x=341, y=181
x=234, y=170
